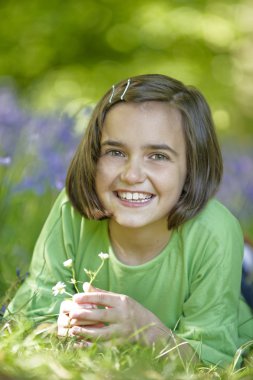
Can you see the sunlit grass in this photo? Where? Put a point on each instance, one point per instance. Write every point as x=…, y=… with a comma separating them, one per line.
x=27, y=353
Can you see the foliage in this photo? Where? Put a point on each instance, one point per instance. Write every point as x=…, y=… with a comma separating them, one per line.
x=34, y=153
x=68, y=53
x=36, y=354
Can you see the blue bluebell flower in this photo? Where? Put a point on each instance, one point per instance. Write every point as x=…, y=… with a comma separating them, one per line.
x=3, y=309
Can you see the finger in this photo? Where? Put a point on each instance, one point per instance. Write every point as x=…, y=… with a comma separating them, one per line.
x=101, y=298
x=90, y=324
x=81, y=322
x=66, y=306
x=87, y=287
x=104, y=333
x=76, y=316
x=63, y=332
x=63, y=328
x=78, y=306
x=63, y=321
x=108, y=315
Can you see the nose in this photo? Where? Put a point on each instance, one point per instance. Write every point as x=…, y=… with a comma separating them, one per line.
x=133, y=172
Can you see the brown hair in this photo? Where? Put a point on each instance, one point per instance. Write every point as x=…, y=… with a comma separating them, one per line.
x=203, y=156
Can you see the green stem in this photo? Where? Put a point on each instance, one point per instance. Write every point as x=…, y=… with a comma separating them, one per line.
x=92, y=278
x=74, y=277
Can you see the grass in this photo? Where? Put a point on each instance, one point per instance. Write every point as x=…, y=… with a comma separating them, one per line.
x=27, y=353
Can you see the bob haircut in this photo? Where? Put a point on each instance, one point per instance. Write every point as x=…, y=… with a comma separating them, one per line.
x=203, y=156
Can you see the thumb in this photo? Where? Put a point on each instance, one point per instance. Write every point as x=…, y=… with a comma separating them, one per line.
x=87, y=287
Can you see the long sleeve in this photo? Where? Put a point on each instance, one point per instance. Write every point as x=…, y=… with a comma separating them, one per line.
x=210, y=314
x=54, y=245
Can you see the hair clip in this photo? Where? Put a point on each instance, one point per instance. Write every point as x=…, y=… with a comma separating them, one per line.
x=112, y=94
x=127, y=85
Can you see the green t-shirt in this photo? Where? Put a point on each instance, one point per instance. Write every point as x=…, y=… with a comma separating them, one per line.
x=193, y=285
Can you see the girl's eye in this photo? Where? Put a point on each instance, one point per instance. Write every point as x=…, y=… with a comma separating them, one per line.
x=159, y=157
x=115, y=153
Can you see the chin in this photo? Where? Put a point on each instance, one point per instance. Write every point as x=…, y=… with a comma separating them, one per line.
x=131, y=223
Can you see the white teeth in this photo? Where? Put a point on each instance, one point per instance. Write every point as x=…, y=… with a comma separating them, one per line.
x=136, y=196
x=128, y=196
x=139, y=197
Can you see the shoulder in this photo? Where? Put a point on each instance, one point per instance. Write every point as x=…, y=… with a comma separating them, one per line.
x=213, y=234
x=62, y=201
x=212, y=244
x=215, y=221
x=65, y=219
x=66, y=230
x=62, y=208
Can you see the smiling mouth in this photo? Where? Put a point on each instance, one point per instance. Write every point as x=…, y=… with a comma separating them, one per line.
x=134, y=196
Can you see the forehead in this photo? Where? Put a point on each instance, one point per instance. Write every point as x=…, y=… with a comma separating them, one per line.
x=150, y=112
x=143, y=124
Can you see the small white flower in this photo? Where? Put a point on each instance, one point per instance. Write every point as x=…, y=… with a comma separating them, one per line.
x=103, y=256
x=73, y=281
x=86, y=287
x=7, y=327
x=68, y=263
x=59, y=288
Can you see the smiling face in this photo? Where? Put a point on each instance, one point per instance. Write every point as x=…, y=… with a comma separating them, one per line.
x=142, y=167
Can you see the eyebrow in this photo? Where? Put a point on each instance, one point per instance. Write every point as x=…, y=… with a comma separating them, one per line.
x=161, y=147
x=112, y=143
x=149, y=146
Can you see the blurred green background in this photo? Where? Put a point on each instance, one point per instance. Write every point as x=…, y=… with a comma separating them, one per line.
x=63, y=55
x=59, y=52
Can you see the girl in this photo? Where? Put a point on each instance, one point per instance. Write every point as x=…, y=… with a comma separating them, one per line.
x=140, y=187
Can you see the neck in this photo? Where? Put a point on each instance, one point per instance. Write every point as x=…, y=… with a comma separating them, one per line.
x=135, y=246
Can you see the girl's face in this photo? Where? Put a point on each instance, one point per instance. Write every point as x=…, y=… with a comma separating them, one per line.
x=142, y=167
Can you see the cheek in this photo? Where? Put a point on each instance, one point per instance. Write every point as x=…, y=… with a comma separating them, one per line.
x=172, y=183
x=103, y=177
x=107, y=169
x=101, y=169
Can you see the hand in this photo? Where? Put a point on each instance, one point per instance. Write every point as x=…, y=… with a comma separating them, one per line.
x=64, y=321
x=121, y=315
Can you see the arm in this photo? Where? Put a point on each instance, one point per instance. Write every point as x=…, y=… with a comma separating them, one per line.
x=34, y=299
x=209, y=320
